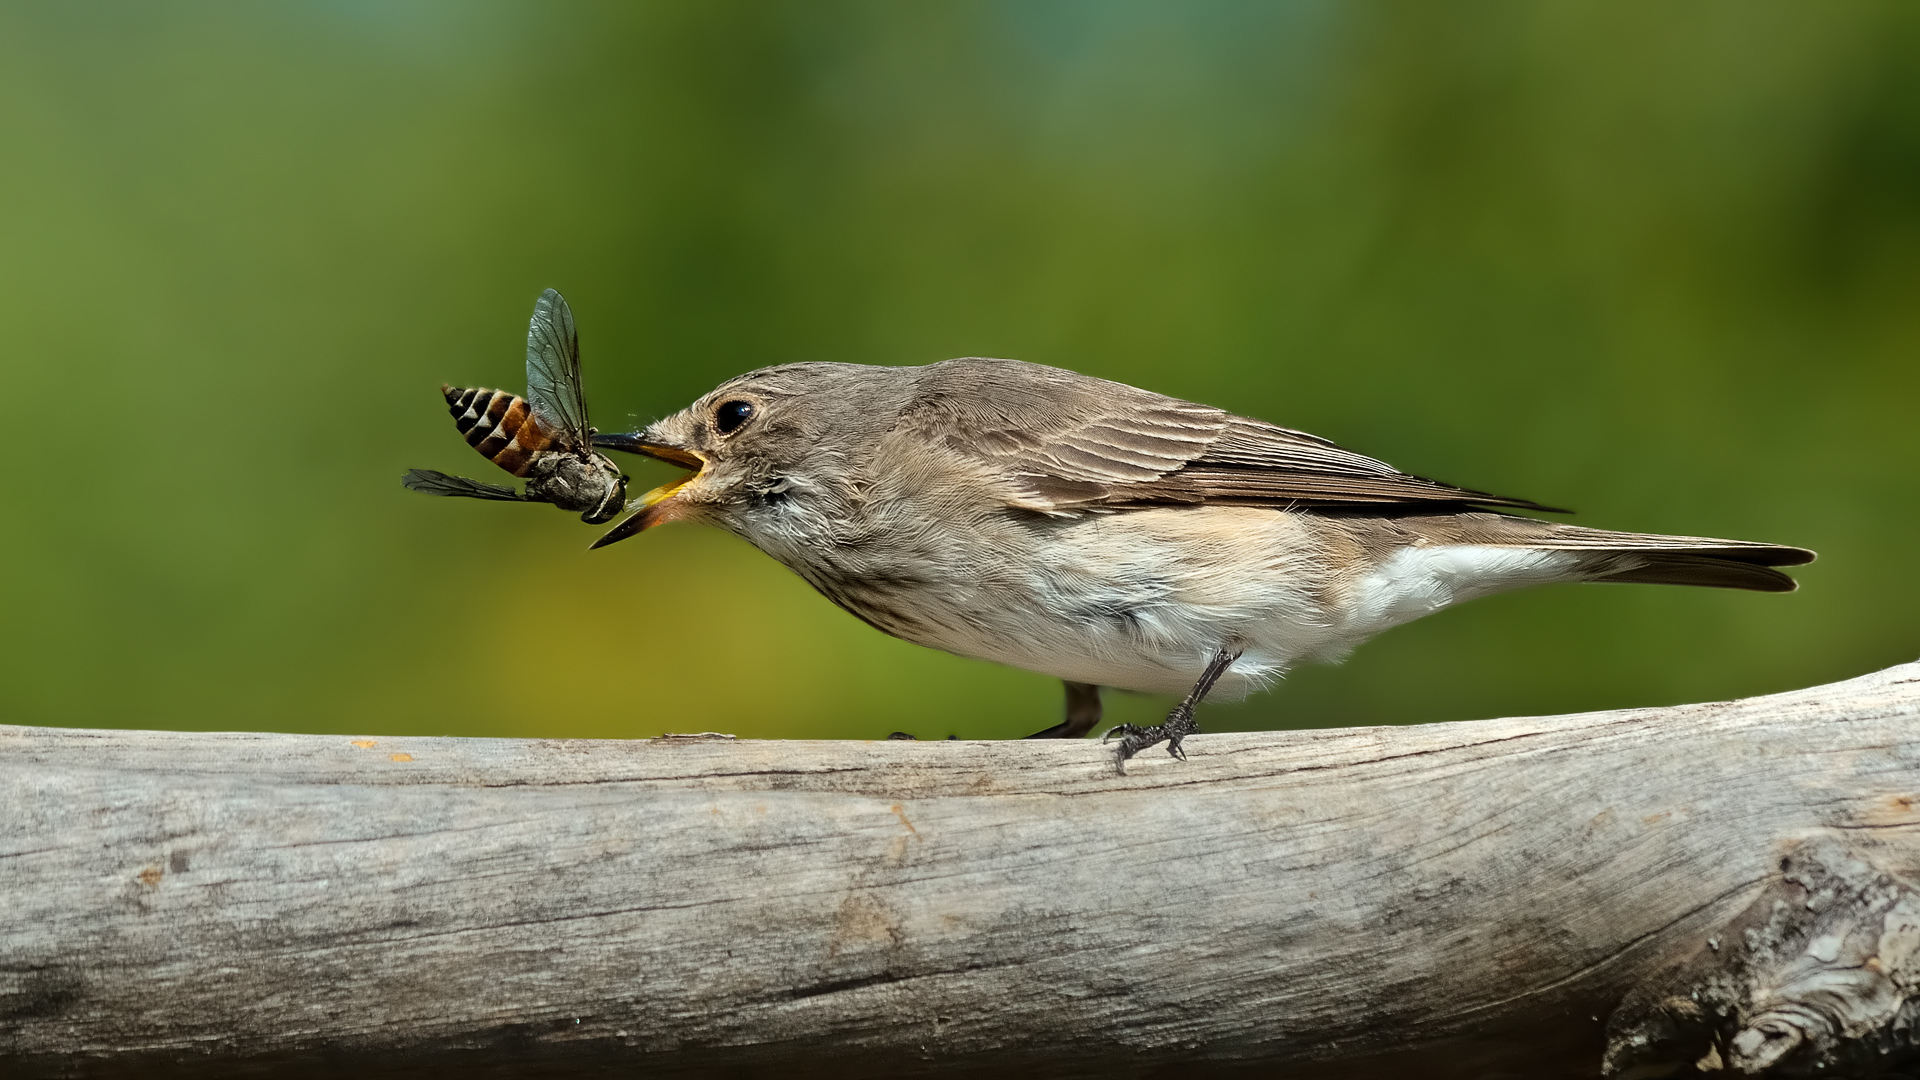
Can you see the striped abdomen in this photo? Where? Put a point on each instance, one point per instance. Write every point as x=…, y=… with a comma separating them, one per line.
x=499, y=425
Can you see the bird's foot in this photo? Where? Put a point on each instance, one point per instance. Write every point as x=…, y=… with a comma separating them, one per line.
x=902, y=736
x=1173, y=731
x=1083, y=713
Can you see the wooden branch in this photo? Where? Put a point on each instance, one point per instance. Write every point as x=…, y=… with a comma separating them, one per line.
x=1657, y=891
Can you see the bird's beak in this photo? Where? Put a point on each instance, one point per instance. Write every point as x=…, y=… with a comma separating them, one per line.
x=635, y=442
x=653, y=509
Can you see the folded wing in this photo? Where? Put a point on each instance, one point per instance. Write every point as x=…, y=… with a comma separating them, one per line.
x=1065, y=442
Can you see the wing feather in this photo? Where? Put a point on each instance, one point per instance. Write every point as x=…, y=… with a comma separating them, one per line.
x=1063, y=441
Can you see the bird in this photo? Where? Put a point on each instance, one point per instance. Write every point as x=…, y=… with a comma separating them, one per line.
x=1110, y=536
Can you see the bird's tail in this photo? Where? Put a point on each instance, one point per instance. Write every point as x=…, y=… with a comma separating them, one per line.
x=1647, y=558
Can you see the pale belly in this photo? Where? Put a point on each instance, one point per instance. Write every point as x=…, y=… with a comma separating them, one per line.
x=1143, y=600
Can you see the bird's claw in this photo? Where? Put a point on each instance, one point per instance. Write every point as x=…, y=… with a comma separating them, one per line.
x=1172, y=731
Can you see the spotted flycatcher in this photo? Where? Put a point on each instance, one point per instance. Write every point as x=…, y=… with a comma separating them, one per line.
x=1108, y=535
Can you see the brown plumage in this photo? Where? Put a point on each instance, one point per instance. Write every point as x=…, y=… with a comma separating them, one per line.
x=1109, y=535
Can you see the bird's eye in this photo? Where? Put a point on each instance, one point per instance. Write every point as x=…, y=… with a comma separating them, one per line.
x=731, y=414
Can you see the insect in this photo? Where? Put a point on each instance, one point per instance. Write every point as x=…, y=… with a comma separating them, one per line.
x=542, y=437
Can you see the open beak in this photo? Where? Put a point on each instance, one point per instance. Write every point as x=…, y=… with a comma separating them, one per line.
x=634, y=442
x=653, y=509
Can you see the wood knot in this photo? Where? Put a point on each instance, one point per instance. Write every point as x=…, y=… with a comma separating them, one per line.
x=1820, y=974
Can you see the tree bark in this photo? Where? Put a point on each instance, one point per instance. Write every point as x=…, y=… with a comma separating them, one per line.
x=1649, y=892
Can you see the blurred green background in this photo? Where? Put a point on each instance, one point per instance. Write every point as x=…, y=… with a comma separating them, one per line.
x=1658, y=262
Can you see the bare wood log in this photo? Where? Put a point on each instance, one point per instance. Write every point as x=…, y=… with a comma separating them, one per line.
x=1657, y=892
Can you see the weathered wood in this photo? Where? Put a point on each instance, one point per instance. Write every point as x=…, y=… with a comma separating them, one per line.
x=1733, y=884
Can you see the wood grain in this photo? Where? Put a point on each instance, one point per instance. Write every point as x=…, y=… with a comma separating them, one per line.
x=1526, y=897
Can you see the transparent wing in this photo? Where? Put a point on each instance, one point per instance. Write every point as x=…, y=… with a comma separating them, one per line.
x=553, y=370
x=433, y=482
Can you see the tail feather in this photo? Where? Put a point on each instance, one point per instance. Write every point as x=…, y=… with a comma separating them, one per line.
x=1651, y=559
x=1686, y=568
x=1599, y=554
x=1608, y=555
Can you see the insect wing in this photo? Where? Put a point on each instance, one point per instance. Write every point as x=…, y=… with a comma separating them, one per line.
x=434, y=482
x=553, y=371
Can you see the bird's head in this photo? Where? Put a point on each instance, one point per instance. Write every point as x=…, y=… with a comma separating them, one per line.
x=770, y=450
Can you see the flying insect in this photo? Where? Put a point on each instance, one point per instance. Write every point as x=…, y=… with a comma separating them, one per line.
x=543, y=438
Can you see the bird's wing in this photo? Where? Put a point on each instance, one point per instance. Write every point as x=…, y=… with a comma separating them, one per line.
x=1257, y=463
x=1063, y=442
x=553, y=370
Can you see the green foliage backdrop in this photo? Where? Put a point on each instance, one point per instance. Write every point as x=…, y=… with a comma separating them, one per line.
x=1659, y=262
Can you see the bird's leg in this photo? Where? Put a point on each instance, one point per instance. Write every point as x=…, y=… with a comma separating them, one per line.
x=1179, y=723
x=1083, y=712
